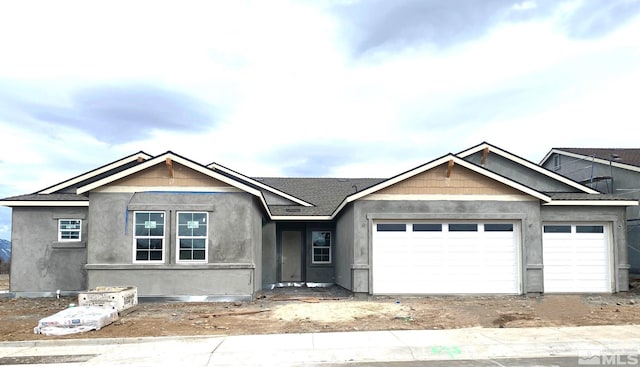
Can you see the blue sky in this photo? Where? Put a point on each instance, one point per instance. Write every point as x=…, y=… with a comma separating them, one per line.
x=308, y=88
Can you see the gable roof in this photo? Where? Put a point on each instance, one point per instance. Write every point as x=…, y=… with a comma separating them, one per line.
x=437, y=162
x=535, y=167
x=625, y=158
x=98, y=173
x=167, y=157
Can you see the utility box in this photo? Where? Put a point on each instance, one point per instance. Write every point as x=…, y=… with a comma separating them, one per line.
x=117, y=298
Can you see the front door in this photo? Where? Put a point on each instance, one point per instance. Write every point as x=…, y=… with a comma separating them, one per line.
x=291, y=259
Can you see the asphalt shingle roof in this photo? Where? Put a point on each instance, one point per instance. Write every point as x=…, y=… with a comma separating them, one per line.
x=47, y=197
x=325, y=194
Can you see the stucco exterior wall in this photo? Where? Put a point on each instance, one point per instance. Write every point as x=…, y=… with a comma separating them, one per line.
x=269, y=254
x=41, y=264
x=616, y=217
x=625, y=185
x=344, y=248
x=234, y=243
x=320, y=273
x=527, y=213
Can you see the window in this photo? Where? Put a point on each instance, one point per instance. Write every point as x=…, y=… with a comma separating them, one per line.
x=557, y=229
x=149, y=236
x=396, y=227
x=498, y=227
x=556, y=162
x=192, y=236
x=321, y=247
x=463, y=227
x=427, y=227
x=69, y=230
x=589, y=229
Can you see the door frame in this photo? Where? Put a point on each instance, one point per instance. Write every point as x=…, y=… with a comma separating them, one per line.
x=293, y=227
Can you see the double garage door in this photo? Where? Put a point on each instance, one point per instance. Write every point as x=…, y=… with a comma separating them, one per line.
x=485, y=257
x=445, y=258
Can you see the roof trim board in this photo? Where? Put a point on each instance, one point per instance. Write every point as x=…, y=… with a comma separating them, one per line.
x=77, y=203
x=528, y=164
x=216, y=166
x=592, y=203
x=589, y=158
x=100, y=170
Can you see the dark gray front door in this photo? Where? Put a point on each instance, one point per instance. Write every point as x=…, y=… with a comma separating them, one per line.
x=291, y=259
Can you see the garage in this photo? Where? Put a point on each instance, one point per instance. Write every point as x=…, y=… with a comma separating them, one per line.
x=445, y=257
x=576, y=258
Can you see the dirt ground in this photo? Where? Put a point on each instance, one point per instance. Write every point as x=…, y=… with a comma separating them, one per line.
x=301, y=310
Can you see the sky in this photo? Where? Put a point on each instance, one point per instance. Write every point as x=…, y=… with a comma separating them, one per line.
x=351, y=88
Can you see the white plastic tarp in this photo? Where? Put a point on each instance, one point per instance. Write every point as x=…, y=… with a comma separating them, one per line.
x=76, y=320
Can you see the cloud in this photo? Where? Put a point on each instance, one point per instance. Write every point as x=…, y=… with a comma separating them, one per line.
x=596, y=18
x=117, y=114
x=381, y=24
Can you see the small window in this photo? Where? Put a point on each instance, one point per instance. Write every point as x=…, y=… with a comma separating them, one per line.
x=69, y=230
x=498, y=227
x=321, y=247
x=463, y=227
x=392, y=227
x=192, y=236
x=556, y=162
x=557, y=229
x=427, y=227
x=148, y=237
x=589, y=229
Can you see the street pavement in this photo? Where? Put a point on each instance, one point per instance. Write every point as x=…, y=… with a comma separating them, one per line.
x=591, y=343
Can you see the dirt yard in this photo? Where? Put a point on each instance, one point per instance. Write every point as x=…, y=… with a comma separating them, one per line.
x=324, y=310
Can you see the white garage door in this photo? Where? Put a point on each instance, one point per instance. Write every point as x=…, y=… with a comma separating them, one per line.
x=576, y=258
x=445, y=258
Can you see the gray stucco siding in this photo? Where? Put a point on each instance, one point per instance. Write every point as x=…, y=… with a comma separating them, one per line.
x=234, y=238
x=234, y=282
x=615, y=216
x=344, y=248
x=520, y=173
x=39, y=263
x=527, y=213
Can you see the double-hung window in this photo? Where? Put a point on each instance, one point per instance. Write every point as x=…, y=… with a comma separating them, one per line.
x=149, y=236
x=192, y=236
x=69, y=230
x=321, y=247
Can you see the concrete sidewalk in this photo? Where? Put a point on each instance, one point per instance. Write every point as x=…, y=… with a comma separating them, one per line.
x=322, y=348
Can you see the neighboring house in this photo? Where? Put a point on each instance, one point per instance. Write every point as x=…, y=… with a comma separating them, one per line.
x=612, y=171
x=481, y=221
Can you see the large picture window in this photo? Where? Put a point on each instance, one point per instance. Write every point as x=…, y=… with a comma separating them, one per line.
x=321, y=247
x=192, y=236
x=149, y=236
x=69, y=230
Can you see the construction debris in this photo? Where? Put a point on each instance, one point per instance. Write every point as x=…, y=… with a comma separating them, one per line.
x=75, y=320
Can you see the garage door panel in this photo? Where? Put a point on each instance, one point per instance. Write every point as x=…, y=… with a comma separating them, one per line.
x=446, y=262
x=578, y=261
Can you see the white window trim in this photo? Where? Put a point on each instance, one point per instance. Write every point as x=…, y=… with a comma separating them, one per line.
x=313, y=260
x=60, y=239
x=178, y=237
x=164, y=242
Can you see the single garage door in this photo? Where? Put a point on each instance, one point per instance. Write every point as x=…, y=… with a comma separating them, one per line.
x=576, y=258
x=445, y=258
